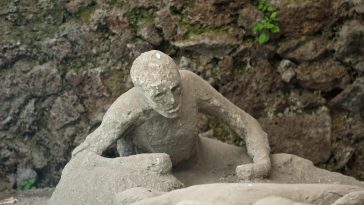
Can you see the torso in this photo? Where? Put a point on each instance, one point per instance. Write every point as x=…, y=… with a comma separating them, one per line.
x=177, y=137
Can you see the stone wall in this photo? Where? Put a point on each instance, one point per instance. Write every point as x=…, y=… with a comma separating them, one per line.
x=62, y=63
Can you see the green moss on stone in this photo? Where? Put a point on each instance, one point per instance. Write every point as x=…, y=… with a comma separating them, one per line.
x=138, y=17
x=7, y=37
x=4, y=4
x=115, y=83
x=297, y=2
x=240, y=67
x=196, y=30
x=113, y=2
x=190, y=3
x=72, y=64
x=86, y=13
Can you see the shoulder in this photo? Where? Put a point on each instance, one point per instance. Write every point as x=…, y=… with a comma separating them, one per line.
x=196, y=86
x=192, y=79
x=201, y=88
x=132, y=97
x=187, y=75
x=129, y=103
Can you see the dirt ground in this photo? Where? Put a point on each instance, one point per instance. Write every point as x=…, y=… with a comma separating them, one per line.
x=31, y=197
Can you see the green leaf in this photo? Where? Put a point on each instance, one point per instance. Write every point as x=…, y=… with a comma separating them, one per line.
x=275, y=29
x=258, y=27
x=273, y=15
x=28, y=184
x=271, y=8
x=32, y=181
x=268, y=25
x=261, y=7
x=27, y=187
x=263, y=38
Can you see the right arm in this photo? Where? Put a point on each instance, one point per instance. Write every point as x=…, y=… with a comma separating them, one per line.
x=127, y=111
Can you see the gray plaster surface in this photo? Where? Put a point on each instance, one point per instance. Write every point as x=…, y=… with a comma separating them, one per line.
x=159, y=115
x=91, y=179
x=274, y=200
x=98, y=180
x=246, y=194
x=216, y=158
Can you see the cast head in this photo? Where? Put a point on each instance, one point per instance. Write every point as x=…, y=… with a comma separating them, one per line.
x=158, y=78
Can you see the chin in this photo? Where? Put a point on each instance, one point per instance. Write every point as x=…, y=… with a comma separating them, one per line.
x=170, y=115
x=174, y=113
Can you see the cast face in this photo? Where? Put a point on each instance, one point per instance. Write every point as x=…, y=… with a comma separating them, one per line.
x=165, y=97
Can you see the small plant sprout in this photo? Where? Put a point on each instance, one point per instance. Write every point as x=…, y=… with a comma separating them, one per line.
x=28, y=184
x=269, y=23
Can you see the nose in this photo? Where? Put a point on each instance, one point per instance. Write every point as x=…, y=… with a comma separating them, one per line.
x=171, y=98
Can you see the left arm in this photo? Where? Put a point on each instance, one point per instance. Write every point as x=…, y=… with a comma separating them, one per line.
x=211, y=102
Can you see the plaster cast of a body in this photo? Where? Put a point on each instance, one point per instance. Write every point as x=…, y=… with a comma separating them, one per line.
x=159, y=115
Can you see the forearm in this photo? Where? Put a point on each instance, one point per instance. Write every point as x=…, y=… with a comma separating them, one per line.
x=250, y=131
x=99, y=140
x=256, y=141
x=88, y=145
x=257, y=147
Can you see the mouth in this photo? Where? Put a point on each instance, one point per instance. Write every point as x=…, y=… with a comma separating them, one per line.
x=173, y=109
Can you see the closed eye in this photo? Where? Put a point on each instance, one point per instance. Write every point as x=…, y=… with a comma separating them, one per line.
x=176, y=88
x=158, y=95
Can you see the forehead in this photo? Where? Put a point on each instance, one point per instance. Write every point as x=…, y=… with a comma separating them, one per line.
x=160, y=83
x=153, y=74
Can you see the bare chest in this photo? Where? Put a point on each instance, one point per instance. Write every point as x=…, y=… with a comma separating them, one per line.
x=176, y=137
